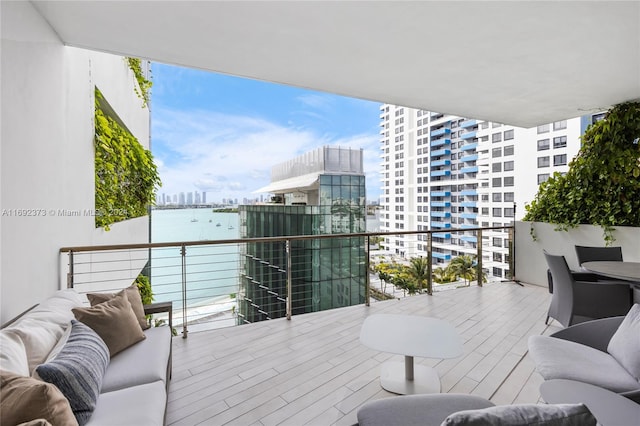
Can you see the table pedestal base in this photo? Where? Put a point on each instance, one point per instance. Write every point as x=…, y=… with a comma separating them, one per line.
x=393, y=378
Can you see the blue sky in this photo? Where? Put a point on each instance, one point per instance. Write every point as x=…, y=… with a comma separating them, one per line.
x=222, y=134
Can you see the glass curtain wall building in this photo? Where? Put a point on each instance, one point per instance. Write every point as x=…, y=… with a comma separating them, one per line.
x=318, y=193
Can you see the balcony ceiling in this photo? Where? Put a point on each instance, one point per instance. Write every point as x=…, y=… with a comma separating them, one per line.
x=521, y=63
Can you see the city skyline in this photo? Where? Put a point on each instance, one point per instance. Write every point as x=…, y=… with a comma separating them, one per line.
x=221, y=134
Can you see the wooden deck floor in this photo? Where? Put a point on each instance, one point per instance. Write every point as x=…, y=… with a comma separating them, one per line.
x=313, y=369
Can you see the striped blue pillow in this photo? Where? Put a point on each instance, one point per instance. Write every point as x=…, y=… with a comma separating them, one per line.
x=78, y=370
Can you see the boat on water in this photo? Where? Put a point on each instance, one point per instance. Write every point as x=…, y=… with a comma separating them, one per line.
x=218, y=224
x=194, y=220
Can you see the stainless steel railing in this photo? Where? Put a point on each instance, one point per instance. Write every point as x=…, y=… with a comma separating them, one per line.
x=202, y=278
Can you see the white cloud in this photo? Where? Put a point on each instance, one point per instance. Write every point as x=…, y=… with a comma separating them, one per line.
x=231, y=156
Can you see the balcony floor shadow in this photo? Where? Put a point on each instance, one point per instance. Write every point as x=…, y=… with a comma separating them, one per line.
x=314, y=370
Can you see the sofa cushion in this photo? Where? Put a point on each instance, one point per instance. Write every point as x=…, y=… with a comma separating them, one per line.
x=624, y=345
x=417, y=409
x=142, y=405
x=114, y=321
x=144, y=362
x=133, y=296
x=562, y=359
x=23, y=399
x=13, y=355
x=524, y=414
x=41, y=328
x=38, y=337
x=78, y=370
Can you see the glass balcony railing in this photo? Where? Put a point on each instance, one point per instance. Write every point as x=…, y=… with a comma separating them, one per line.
x=439, y=163
x=440, y=132
x=440, y=142
x=469, y=147
x=469, y=123
x=440, y=193
x=468, y=158
x=468, y=135
x=440, y=214
x=440, y=152
x=437, y=173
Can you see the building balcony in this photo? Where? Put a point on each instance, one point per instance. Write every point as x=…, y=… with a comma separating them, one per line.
x=468, y=158
x=469, y=147
x=472, y=169
x=468, y=135
x=469, y=204
x=445, y=236
x=469, y=192
x=469, y=239
x=312, y=369
x=439, y=163
x=440, y=193
x=442, y=256
x=440, y=132
x=467, y=123
x=440, y=214
x=440, y=225
x=469, y=215
x=436, y=173
x=440, y=204
x=440, y=142
x=322, y=374
x=440, y=152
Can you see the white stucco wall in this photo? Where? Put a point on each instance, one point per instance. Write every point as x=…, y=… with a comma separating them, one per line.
x=47, y=154
x=531, y=266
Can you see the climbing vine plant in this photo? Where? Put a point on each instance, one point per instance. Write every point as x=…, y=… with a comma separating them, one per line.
x=602, y=186
x=144, y=86
x=125, y=174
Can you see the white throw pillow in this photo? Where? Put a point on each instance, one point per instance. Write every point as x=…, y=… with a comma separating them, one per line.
x=624, y=346
x=39, y=338
x=13, y=355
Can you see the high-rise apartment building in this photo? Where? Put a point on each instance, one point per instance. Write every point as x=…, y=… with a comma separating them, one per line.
x=321, y=192
x=441, y=172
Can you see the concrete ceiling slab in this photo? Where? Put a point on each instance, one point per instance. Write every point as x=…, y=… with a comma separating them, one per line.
x=516, y=62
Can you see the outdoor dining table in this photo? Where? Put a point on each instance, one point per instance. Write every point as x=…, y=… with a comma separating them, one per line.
x=627, y=271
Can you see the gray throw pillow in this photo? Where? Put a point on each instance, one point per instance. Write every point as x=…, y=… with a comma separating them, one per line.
x=524, y=414
x=624, y=345
x=78, y=370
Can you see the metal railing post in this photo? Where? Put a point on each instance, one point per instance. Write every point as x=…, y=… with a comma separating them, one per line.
x=479, y=263
x=70, y=273
x=289, y=279
x=367, y=287
x=429, y=265
x=512, y=252
x=183, y=255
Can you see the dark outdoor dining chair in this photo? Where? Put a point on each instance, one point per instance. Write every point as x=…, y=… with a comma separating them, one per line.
x=575, y=301
x=591, y=254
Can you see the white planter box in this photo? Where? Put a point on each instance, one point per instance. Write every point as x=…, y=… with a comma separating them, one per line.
x=531, y=266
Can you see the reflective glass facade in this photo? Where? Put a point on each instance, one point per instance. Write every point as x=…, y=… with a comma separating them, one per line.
x=326, y=273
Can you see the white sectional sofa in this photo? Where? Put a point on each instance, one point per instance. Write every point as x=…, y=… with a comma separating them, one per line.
x=132, y=389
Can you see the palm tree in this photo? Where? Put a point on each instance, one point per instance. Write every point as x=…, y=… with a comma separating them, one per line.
x=419, y=271
x=384, y=278
x=443, y=275
x=464, y=267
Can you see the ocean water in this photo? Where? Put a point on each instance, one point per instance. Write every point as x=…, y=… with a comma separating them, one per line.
x=211, y=271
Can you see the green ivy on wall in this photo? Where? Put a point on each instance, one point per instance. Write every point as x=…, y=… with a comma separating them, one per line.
x=126, y=177
x=144, y=85
x=602, y=186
